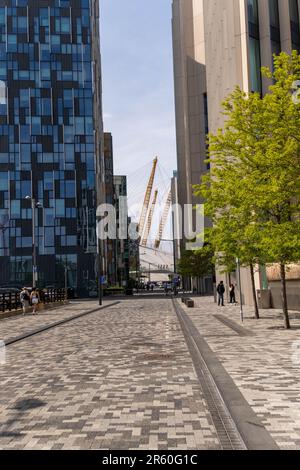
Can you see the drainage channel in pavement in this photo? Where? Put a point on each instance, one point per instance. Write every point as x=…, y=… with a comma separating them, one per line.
x=228, y=434
x=240, y=330
x=236, y=423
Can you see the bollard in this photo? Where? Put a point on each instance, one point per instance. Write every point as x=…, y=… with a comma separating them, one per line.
x=190, y=303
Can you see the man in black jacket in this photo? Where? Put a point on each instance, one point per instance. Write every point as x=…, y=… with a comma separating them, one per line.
x=221, y=292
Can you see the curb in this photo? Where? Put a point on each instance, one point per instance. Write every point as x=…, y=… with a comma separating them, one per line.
x=53, y=325
x=16, y=313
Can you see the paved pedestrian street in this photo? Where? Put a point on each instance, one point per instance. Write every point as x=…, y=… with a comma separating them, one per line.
x=16, y=326
x=121, y=378
x=127, y=377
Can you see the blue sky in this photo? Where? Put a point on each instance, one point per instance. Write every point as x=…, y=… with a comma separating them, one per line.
x=138, y=93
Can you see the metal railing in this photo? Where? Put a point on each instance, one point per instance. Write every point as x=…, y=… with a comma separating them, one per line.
x=10, y=301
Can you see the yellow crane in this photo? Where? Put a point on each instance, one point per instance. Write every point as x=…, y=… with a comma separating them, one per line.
x=147, y=198
x=149, y=221
x=163, y=221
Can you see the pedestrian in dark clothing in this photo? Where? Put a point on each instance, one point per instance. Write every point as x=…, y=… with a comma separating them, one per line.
x=221, y=292
x=232, y=294
x=24, y=299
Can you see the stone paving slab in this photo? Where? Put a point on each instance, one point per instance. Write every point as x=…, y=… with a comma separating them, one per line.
x=122, y=379
x=16, y=326
x=264, y=365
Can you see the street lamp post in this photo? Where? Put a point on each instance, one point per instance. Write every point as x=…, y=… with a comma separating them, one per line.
x=66, y=281
x=34, y=205
x=3, y=229
x=240, y=288
x=100, y=292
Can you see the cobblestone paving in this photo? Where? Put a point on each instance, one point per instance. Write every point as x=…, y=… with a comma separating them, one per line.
x=121, y=378
x=15, y=326
x=265, y=366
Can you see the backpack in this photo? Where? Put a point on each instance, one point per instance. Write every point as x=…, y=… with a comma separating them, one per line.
x=24, y=296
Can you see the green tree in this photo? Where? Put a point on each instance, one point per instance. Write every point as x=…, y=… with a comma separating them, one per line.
x=197, y=263
x=233, y=240
x=252, y=192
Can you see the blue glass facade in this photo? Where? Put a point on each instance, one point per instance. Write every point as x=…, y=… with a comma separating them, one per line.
x=47, y=141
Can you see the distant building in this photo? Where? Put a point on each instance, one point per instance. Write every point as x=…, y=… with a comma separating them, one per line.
x=134, y=254
x=122, y=245
x=175, y=219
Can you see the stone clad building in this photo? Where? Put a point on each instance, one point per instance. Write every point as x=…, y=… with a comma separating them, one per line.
x=219, y=44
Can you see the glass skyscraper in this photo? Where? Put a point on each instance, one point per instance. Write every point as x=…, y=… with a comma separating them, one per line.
x=50, y=139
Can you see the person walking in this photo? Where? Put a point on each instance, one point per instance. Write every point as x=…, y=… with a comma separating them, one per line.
x=221, y=292
x=35, y=300
x=166, y=288
x=24, y=299
x=232, y=294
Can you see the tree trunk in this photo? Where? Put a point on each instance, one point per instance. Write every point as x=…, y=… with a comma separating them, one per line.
x=284, y=297
x=256, y=310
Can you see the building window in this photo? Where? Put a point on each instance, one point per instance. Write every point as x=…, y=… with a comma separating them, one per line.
x=205, y=99
x=274, y=14
x=254, y=47
x=255, y=65
x=275, y=27
x=295, y=25
x=253, y=12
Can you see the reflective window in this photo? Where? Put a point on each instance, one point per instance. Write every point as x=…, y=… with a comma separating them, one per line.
x=295, y=24
x=294, y=11
x=253, y=11
x=3, y=181
x=274, y=13
x=15, y=208
x=254, y=46
x=255, y=65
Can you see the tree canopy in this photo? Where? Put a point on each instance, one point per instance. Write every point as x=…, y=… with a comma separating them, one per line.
x=252, y=191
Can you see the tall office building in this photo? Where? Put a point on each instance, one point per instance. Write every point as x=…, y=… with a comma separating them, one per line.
x=50, y=139
x=219, y=44
x=110, y=245
x=121, y=245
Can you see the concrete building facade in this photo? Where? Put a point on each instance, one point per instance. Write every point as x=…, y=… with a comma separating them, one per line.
x=191, y=106
x=217, y=46
x=190, y=96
